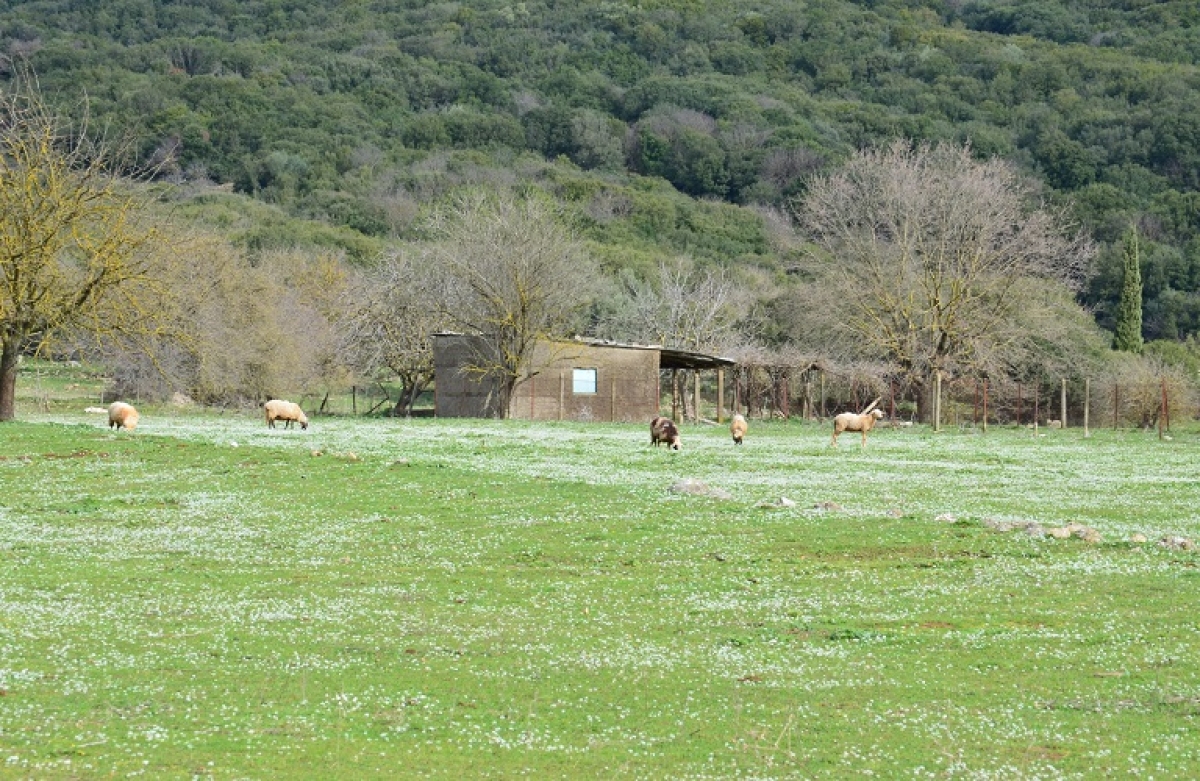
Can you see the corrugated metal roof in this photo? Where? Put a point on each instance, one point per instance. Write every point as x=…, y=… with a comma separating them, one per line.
x=684, y=359
x=669, y=357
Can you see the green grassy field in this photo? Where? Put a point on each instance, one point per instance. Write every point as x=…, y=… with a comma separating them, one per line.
x=207, y=598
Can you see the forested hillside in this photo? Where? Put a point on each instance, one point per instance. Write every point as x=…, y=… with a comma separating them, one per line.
x=665, y=123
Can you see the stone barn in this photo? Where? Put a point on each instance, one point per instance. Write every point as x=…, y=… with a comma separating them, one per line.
x=578, y=379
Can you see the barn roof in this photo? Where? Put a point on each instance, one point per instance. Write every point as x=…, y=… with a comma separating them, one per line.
x=668, y=357
x=685, y=359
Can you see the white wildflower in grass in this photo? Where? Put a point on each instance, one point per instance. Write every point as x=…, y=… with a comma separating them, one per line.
x=463, y=594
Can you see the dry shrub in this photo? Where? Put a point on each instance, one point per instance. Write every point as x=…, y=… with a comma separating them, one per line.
x=244, y=330
x=1136, y=386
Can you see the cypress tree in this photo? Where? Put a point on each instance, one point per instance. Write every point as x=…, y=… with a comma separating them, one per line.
x=1129, y=311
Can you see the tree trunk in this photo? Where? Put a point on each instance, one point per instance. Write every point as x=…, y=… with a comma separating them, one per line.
x=507, y=390
x=925, y=401
x=403, y=407
x=9, y=355
x=409, y=393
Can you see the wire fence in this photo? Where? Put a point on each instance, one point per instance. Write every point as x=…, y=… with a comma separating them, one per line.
x=1148, y=402
x=963, y=402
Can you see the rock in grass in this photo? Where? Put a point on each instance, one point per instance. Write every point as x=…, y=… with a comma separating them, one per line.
x=1085, y=533
x=1175, y=542
x=694, y=487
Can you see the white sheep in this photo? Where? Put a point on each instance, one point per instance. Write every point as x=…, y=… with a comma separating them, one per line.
x=864, y=422
x=122, y=416
x=279, y=409
x=738, y=428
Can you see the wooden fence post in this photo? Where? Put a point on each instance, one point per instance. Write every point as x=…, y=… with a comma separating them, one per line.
x=1063, y=402
x=1163, y=419
x=985, y=394
x=1087, y=403
x=1036, y=410
x=737, y=389
x=937, y=400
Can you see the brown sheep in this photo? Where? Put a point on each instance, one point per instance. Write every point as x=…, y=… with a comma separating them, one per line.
x=122, y=416
x=848, y=421
x=664, y=430
x=278, y=409
x=738, y=428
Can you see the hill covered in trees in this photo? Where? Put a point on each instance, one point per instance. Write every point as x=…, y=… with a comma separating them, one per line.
x=668, y=125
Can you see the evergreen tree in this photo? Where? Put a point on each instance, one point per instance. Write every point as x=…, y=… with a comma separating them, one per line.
x=1129, y=311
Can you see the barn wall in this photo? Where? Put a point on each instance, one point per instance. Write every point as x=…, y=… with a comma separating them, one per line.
x=459, y=394
x=626, y=384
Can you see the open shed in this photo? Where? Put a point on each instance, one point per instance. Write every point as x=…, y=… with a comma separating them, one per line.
x=575, y=379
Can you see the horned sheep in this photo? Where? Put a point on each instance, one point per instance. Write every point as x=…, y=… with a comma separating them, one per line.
x=122, y=416
x=664, y=430
x=289, y=412
x=864, y=422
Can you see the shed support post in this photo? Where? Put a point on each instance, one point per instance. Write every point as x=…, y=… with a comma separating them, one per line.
x=720, y=394
x=674, y=394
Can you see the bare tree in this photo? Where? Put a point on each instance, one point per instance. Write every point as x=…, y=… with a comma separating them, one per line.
x=389, y=320
x=920, y=253
x=73, y=235
x=512, y=273
x=683, y=308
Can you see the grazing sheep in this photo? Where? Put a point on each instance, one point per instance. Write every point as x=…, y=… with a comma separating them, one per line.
x=864, y=422
x=738, y=428
x=122, y=415
x=664, y=430
x=278, y=409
